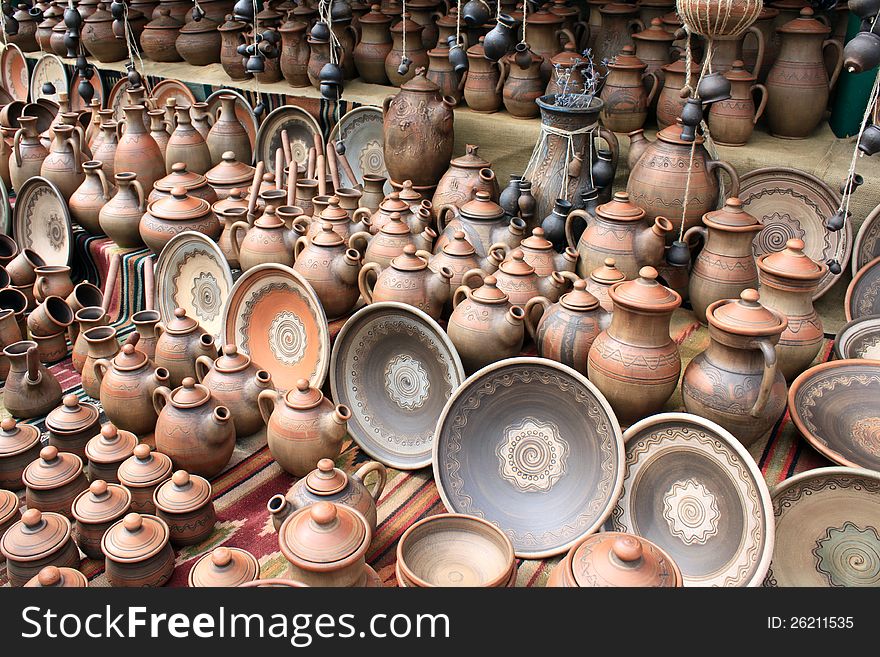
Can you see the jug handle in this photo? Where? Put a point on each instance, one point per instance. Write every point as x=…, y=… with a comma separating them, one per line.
x=611, y=139
x=713, y=165
x=759, y=55
x=74, y=149
x=763, y=104
x=473, y=273
x=105, y=186
x=533, y=303
x=386, y=103
x=364, y=284
x=769, y=351
x=142, y=197
x=203, y=366
x=636, y=25
x=301, y=243
x=16, y=146
x=100, y=367
x=568, y=34
x=503, y=72
x=569, y=220
x=441, y=216
x=379, y=469
x=461, y=292
x=234, y=229
x=359, y=241
x=655, y=86
x=270, y=396
x=838, y=64
x=694, y=230
x=161, y=396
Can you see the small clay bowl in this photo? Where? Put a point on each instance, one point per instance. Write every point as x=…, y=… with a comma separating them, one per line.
x=860, y=338
x=836, y=407
x=453, y=549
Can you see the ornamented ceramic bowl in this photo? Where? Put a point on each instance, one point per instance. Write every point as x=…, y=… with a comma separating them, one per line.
x=395, y=368
x=362, y=133
x=14, y=75
x=836, y=407
x=693, y=490
x=301, y=129
x=452, y=549
x=860, y=338
x=274, y=316
x=533, y=447
x=49, y=68
x=826, y=529
x=867, y=243
x=863, y=294
x=168, y=88
x=41, y=221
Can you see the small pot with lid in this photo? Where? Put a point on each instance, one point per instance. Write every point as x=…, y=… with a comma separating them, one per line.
x=54, y=480
x=224, y=567
x=59, y=578
x=107, y=451
x=195, y=184
x=19, y=445
x=36, y=541
x=10, y=513
x=168, y=216
x=138, y=552
x=72, y=425
x=95, y=510
x=602, y=279
x=141, y=474
x=186, y=504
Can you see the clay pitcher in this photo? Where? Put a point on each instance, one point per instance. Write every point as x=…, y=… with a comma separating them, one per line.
x=725, y=266
x=626, y=101
x=294, y=52
x=374, y=45
x=654, y=47
x=732, y=121
x=798, y=85
x=63, y=166
x=228, y=134
x=483, y=81
x=443, y=74
x=138, y=151
x=415, y=51
x=619, y=22
x=102, y=344
x=736, y=381
x=544, y=30
x=88, y=199
x=727, y=51
x=104, y=149
x=31, y=390
x=523, y=83
x=231, y=37
x=669, y=100
x=187, y=145
x=120, y=217
x=28, y=152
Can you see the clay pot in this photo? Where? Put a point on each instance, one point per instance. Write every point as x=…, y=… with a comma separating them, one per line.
x=424, y=145
x=31, y=390
x=19, y=446
x=460, y=257
x=195, y=184
x=466, y=175
x=415, y=51
x=224, y=566
x=519, y=280
x=329, y=484
x=294, y=51
x=159, y=35
x=732, y=121
x=185, y=503
x=484, y=327
x=485, y=225
x=138, y=552
x=51, y=348
x=99, y=39
x=267, y=241
x=166, y=217
x=141, y=474
x=546, y=35
x=231, y=37
x=22, y=268
x=229, y=176
x=483, y=81
x=442, y=73
x=158, y=129
x=187, y=145
x=102, y=345
x=619, y=22
x=393, y=203
x=331, y=269
x=36, y=541
x=138, y=151
x=523, y=82
x=669, y=101
x=407, y=280
x=54, y=577
x=53, y=481
x=338, y=218
x=390, y=241
x=63, y=166
x=199, y=43
x=626, y=101
x=107, y=451
x=634, y=362
x=654, y=46
x=28, y=152
x=126, y=386
x=236, y=383
x=228, y=135
x=52, y=281
x=120, y=217
x=798, y=85
x=375, y=43
x=373, y=192
x=541, y=254
x=788, y=282
x=95, y=510
x=319, y=57
x=736, y=382
x=88, y=199
x=146, y=322
x=181, y=341
x=72, y=425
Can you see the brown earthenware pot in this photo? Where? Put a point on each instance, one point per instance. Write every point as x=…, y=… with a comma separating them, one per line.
x=159, y=35
x=138, y=552
x=102, y=345
x=86, y=202
x=99, y=39
x=732, y=121
x=373, y=47
x=187, y=145
x=28, y=152
x=181, y=341
x=228, y=134
x=10, y=513
x=485, y=225
x=53, y=481
x=466, y=175
x=167, y=217
x=483, y=81
x=331, y=268
x=36, y=541
x=520, y=282
x=138, y=151
x=159, y=129
x=55, y=577
x=294, y=51
x=107, y=451
x=229, y=176
x=415, y=51
x=390, y=241
x=442, y=73
x=199, y=43
x=141, y=474
x=624, y=93
x=619, y=22
x=231, y=37
x=63, y=165
x=195, y=184
x=407, y=280
x=19, y=446
x=268, y=241
x=185, y=503
x=669, y=100
x=120, y=216
x=95, y=510
x=72, y=425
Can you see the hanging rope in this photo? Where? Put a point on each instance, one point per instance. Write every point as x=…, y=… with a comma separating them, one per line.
x=403, y=17
x=129, y=39
x=457, y=23
x=525, y=18
x=568, y=135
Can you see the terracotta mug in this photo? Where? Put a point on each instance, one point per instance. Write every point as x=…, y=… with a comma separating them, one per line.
x=50, y=318
x=8, y=249
x=52, y=281
x=21, y=267
x=14, y=300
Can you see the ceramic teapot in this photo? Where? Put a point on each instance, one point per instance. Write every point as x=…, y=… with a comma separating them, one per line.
x=193, y=429
x=736, y=381
x=390, y=204
x=390, y=241
x=31, y=390
x=465, y=176
x=168, y=216
x=519, y=280
x=618, y=230
x=408, y=279
x=540, y=254
x=327, y=483
x=302, y=427
x=339, y=218
x=181, y=341
x=485, y=225
x=267, y=241
x=331, y=268
x=460, y=257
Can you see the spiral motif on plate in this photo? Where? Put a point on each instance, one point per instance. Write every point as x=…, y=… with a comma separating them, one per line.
x=372, y=158
x=299, y=150
x=206, y=297
x=691, y=511
x=532, y=455
x=778, y=229
x=407, y=383
x=287, y=338
x=866, y=434
x=849, y=555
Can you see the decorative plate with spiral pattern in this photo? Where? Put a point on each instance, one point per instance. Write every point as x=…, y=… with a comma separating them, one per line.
x=301, y=130
x=792, y=203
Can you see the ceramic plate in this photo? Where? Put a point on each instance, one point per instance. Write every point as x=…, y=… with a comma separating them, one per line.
x=859, y=338
x=792, y=203
x=362, y=133
x=863, y=294
x=694, y=490
x=301, y=128
x=76, y=101
x=191, y=273
x=533, y=447
x=867, y=243
x=243, y=111
x=14, y=75
x=827, y=529
x=172, y=89
x=41, y=221
x=836, y=407
x=49, y=68
x=395, y=368
x=5, y=211
x=117, y=98
x=274, y=316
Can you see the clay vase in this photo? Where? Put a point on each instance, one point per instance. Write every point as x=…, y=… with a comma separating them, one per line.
x=86, y=202
x=126, y=385
x=235, y=382
x=107, y=450
x=485, y=225
x=736, y=381
x=319, y=56
x=138, y=552
x=619, y=22
x=626, y=101
x=523, y=83
x=483, y=81
x=798, y=85
x=31, y=390
x=36, y=541
x=142, y=473
x=726, y=51
x=418, y=132
x=520, y=282
x=654, y=46
x=541, y=254
x=231, y=37
x=657, y=185
x=199, y=42
x=187, y=145
x=442, y=73
x=85, y=319
x=373, y=192
x=267, y=241
x=52, y=280
x=294, y=51
x=415, y=51
x=390, y=241
x=331, y=268
x=732, y=121
x=102, y=345
x=181, y=341
x=669, y=101
x=302, y=427
x=766, y=24
x=169, y=216
x=138, y=151
x=53, y=481
x=95, y=510
x=484, y=326
x=159, y=35
x=573, y=62
x=375, y=43
x=120, y=216
x=28, y=152
x=158, y=129
x=193, y=429
x=346, y=37
x=104, y=150
x=63, y=166
x=788, y=281
x=407, y=280
x=72, y=425
x=634, y=362
x=146, y=323
x=228, y=134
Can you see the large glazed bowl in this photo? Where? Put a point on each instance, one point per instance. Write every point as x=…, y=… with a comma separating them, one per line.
x=533, y=447
x=836, y=407
x=693, y=490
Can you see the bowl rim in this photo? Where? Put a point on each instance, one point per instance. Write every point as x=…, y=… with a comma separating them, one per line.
x=851, y=288
x=850, y=327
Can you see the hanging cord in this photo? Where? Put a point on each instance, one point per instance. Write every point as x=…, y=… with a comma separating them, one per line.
x=707, y=66
x=525, y=18
x=568, y=135
x=129, y=39
x=257, y=79
x=457, y=24
x=403, y=29
x=498, y=10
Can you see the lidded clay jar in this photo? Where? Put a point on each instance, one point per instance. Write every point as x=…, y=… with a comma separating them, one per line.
x=9, y=510
x=613, y=559
x=194, y=183
x=72, y=424
x=186, y=504
x=55, y=577
x=54, y=480
x=142, y=473
x=36, y=541
x=107, y=451
x=170, y=215
x=19, y=445
x=539, y=252
x=181, y=342
x=224, y=567
x=602, y=279
x=229, y=174
x=138, y=551
x=95, y=510
x=325, y=544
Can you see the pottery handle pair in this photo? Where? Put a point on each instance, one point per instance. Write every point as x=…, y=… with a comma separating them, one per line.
x=838, y=65
x=381, y=479
x=266, y=401
x=203, y=366
x=535, y=305
x=366, y=283
x=569, y=221
x=768, y=349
